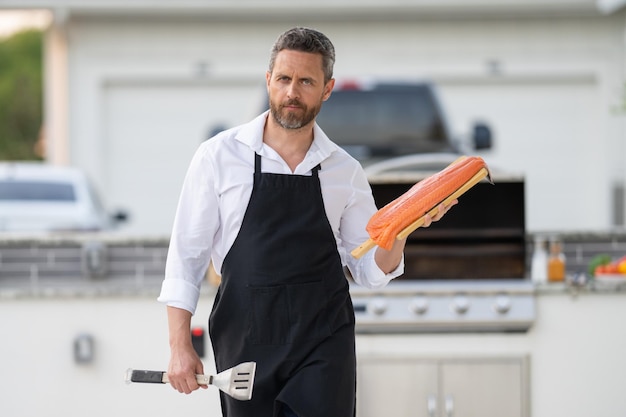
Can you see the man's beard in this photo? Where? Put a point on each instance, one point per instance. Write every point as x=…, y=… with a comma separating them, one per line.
x=291, y=120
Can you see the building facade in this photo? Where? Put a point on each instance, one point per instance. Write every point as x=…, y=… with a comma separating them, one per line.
x=132, y=88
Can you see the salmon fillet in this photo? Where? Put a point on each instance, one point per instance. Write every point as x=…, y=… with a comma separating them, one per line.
x=387, y=223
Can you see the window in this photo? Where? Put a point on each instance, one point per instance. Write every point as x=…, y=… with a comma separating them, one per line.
x=36, y=191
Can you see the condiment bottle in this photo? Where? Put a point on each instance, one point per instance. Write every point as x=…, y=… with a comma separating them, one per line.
x=539, y=261
x=556, y=262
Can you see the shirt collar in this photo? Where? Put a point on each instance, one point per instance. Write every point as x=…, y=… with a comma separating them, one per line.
x=251, y=134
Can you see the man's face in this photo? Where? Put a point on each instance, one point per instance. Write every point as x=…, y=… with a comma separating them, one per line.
x=296, y=88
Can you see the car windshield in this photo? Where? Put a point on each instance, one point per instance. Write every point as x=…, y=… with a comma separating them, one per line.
x=36, y=191
x=389, y=120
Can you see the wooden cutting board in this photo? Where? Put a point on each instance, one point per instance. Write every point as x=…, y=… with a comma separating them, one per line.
x=369, y=244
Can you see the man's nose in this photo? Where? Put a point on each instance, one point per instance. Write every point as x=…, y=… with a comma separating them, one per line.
x=292, y=90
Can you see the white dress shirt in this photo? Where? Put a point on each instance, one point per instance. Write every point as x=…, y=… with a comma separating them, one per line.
x=215, y=195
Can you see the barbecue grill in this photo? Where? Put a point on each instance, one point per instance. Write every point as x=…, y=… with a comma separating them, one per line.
x=464, y=273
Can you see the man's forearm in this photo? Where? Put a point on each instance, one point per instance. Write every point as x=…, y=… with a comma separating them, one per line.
x=184, y=361
x=388, y=260
x=179, y=324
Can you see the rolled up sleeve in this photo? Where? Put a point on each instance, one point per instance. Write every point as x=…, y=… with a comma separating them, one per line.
x=179, y=293
x=195, y=224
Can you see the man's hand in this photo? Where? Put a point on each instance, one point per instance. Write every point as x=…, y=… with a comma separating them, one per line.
x=442, y=210
x=184, y=361
x=182, y=370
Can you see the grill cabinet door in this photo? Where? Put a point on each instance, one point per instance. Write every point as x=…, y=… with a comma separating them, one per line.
x=442, y=387
x=486, y=388
x=396, y=387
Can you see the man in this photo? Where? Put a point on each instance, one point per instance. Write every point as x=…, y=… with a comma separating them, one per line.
x=278, y=207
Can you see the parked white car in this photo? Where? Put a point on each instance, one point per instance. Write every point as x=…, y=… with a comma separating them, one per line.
x=37, y=197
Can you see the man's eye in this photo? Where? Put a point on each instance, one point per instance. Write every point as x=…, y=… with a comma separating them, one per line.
x=306, y=82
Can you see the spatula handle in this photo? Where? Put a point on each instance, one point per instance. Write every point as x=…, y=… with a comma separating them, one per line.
x=201, y=379
x=159, y=377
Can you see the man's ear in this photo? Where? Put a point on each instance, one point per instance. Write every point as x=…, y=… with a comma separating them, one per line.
x=268, y=75
x=328, y=89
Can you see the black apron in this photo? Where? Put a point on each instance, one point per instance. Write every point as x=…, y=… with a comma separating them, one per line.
x=283, y=302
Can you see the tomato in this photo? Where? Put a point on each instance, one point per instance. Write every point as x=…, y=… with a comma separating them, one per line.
x=610, y=268
x=600, y=269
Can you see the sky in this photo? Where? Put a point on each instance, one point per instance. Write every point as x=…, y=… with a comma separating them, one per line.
x=14, y=20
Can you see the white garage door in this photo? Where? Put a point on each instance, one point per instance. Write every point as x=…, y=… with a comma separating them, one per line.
x=152, y=131
x=552, y=133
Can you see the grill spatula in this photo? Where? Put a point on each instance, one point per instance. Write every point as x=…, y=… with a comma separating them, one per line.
x=236, y=382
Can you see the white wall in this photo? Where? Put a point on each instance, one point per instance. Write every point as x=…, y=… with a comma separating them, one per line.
x=548, y=86
x=576, y=351
x=41, y=378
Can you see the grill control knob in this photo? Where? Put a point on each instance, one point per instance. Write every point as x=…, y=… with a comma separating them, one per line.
x=419, y=305
x=502, y=304
x=461, y=304
x=377, y=306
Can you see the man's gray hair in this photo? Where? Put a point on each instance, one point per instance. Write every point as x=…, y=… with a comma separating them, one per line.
x=306, y=40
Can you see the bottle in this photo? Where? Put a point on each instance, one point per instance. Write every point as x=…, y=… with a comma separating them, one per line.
x=556, y=262
x=539, y=261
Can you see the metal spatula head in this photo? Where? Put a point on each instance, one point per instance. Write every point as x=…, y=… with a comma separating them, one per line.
x=236, y=382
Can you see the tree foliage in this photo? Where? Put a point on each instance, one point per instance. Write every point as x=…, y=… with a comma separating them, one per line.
x=21, y=96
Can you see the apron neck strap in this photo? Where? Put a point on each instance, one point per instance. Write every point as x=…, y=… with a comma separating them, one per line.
x=257, y=166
